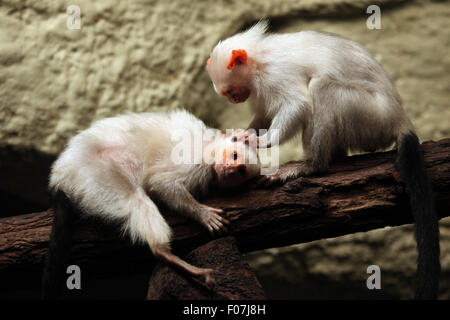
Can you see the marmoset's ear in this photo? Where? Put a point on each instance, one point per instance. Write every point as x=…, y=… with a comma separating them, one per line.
x=237, y=57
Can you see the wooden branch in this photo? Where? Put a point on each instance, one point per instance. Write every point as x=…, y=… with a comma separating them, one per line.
x=235, y=280
x=358, y=194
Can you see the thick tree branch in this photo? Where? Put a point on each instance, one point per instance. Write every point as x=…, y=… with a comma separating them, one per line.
x=358, y=194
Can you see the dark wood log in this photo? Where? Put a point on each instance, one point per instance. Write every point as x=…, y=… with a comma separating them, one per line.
x=235, y=280
x=358, y=194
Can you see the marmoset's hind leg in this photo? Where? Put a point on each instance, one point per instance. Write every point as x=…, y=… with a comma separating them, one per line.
x=145, y=222
x=204, y=274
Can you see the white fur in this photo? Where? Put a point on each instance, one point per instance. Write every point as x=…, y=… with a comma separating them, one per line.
x=290, y=76
x=103, y=170
x=111, y=168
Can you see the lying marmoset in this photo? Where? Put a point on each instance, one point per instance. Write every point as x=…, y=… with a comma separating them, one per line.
x=332, y=91
x=118, y=166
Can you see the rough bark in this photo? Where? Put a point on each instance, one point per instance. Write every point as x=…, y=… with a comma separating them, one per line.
x=235, y=280
x=358, y=194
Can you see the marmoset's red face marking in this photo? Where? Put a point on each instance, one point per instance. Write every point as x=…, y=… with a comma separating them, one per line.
x=236, y=94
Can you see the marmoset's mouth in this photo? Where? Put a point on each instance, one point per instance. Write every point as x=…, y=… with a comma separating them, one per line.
x=237, y=95
x=239, y=98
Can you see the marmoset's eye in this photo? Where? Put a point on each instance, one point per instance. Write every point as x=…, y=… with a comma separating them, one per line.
x=234, y=139
x=234, y=155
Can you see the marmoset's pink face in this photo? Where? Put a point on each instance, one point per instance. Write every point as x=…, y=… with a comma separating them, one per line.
x=230, y=77
x=235, y=162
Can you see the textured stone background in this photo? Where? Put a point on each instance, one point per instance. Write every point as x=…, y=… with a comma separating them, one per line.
x=149, y=55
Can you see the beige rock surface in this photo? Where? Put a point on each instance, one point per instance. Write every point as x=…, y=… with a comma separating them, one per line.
x=149, y=55
x=128, y=56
